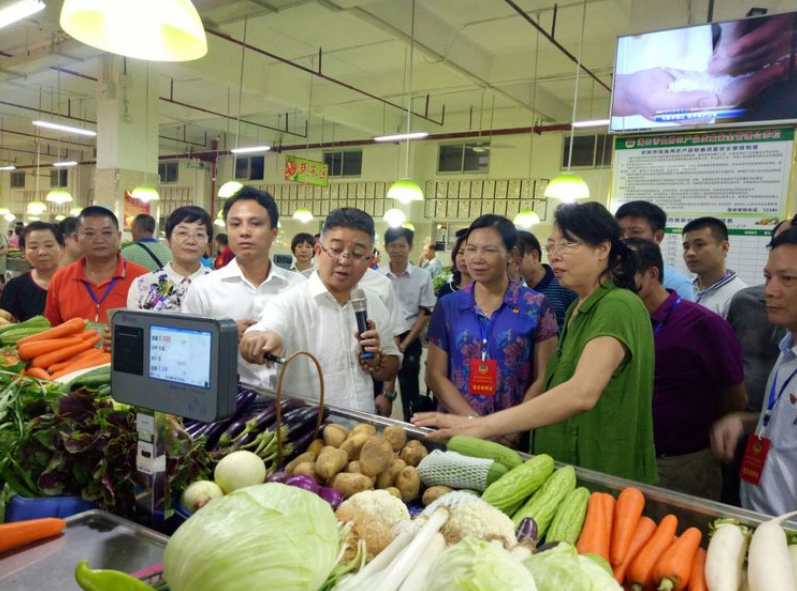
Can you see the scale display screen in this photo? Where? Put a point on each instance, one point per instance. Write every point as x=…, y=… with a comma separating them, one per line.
x=180, y=355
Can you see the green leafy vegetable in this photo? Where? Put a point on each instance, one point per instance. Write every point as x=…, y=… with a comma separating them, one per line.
x=558, y=568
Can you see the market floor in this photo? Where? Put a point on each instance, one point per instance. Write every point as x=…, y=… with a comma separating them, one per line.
x=398, y=409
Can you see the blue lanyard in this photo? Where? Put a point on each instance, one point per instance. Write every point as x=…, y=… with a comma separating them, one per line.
x=773, y=400
x=666, y=317
x=104, y=295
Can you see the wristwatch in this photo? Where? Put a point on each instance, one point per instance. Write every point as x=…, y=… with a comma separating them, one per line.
x=389, y=394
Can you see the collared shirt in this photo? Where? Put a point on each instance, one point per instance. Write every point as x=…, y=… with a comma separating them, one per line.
x=69, y=297
x=776, y=493
x=227, y=293
x=415, y=291
x=559, y=297
x=163, y=290
x=307, y=317
x=717, y=297
x=433, y=267
x=138, y=254
x=458, y=327
x=677, y=281
x=697, y=356
x=616, y=436
x=384, y=290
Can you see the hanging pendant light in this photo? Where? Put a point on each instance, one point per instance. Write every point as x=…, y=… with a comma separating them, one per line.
x=10, y=217
x=406, y=191
x=4, y=211
x=303, y=215
x=145, y=193
x=59, y=196
x=395, y=217
x=75, y=211
x=155, y=30
x=219, y=221
x=36, y=207
x=230, y=188
x=526, y=219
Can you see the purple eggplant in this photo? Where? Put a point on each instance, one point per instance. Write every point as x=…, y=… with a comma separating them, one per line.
x=278, y=477
x=301, y=444
x=303, y=481
x=547, y=546
x=527, y=530
x=331, y=495
x=303, y=420
x=239, y=424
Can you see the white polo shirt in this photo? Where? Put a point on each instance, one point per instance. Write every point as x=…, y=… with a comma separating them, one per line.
x=227, y=293
x=717, y=297
x=415, y=291
x=383, y=288
x=307, y=317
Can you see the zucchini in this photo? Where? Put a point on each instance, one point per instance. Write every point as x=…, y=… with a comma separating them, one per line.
x=508, y=492
x=479, y=448
x=569, y=518
x=542, y=506
x=496, y=471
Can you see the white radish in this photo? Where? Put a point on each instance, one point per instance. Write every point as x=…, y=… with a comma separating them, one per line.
x=417, y=576
x=725, y=557
x=793, y=556
x=769, y=563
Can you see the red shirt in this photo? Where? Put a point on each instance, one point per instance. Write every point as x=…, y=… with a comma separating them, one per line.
x=223, y=258
x=72, y=295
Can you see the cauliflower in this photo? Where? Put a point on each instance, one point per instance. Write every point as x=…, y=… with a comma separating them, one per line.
x=482, y=521
x=373, y=515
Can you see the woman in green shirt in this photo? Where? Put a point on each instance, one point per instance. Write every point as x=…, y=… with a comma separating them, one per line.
x=596, y=407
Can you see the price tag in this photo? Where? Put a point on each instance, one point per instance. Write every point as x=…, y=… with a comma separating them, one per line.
x=483, y=377
x=755, y=456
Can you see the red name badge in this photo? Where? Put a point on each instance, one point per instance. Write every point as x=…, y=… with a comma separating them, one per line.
x=755, y=456
x=483, y=377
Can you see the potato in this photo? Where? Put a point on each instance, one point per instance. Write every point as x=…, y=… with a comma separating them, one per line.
x=307, y=468
x=375, y=455
x=388, y=477
x=363, y=428
x=335, y=434
x=316, y=446
x=307, y=456
x=413, y=452
x=351, y=484
x=396, y=436
x=394, y=491
x=353, y=467
x=330, y=461
x=354, y=444
x=408, y=482
x=430, y=495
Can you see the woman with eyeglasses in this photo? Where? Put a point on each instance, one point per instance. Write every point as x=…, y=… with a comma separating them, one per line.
x=460, y=277
x=596, y=407
x=490, y=342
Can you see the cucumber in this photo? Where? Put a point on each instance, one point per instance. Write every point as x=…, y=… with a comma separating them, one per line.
x=569, y=519
x=543, y=505
x=479, y=448
x=507, y=493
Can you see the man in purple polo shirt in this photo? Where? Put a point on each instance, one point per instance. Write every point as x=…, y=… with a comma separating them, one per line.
x=698, y=379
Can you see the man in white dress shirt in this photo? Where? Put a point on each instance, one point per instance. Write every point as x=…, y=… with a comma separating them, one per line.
x=318, y=317
x=241, y=289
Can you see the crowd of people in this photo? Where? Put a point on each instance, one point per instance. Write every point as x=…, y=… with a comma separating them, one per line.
x=603, y=357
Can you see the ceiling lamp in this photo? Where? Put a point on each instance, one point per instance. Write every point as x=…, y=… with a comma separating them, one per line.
x=10, y=217
x=65, y=128
x=526, y=219
x=395, y=217
x=219, y=221
x=145, y=193
x=405, y=190
x=59, y=196
x=155, y=30
x=250, y=149
x=397, y=137
x=36, y=207
x=34, y=218
x=408, y=225
x=303, y=215
x=9, y=167
x=19, y=10
x=65, y=163
x=4, y=211
x=60, y=217
x=75, y=211
x=229, y=189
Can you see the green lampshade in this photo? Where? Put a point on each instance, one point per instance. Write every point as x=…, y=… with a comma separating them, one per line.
x=36, y=207
x=75, y=211
x=4, y=211
x=59, y=196
x=229, y=189
x=408, y=225
x=10, y=217
x=405, y=190
x=567, y=187
x=145, y=193
x=303, y=215
x=395, y=217
x=526, y=219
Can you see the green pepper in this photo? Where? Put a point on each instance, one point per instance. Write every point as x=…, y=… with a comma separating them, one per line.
x=107, y=580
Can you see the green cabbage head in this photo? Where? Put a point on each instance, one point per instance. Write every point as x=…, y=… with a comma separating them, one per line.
x=559, y=569
x=268, y=536
x=475, y=565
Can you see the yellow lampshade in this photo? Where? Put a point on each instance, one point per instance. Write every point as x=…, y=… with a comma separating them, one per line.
x=145, y=193
x=4, y=211
x=567, y=187
x=59, y=196
x=395, y=217
x=303, y=215
x=405, y=190
x=229, y=189
x=526, y=219
x=156, y=30
x=36, y=207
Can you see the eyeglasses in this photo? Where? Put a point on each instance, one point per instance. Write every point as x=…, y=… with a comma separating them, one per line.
x=561, y=246
x=340, y=254
x=182, y=236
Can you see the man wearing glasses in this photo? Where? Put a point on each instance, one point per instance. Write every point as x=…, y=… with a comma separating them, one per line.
x=317, y=316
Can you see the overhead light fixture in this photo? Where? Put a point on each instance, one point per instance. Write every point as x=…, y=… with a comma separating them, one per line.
x=66, y=128
x=155, y=30
x=4, y=211
x=36, y=207
x=405, y=190
x=395, y=217
x=65, y=163
x=145, y=193
x=250, y=149
x=60, y=217
x=59, y=196
x=303, y=215
x=397, y=137
x=19, y=10
x=8, y=167
x=526, y=219
x=591, y=123
x=75, y=211
x=229, y=189
x=408, y=225
x=10, y=217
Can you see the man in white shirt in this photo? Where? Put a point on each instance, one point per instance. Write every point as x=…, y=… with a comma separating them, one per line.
x=774, y=470
x=429, y=261
x=706, y=245
x=242, y=289
x=318, y=317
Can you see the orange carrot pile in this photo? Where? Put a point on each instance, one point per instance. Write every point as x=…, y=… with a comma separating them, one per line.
x=596, y=535
x=644, y=530
x=640, y=571
x=630, y=504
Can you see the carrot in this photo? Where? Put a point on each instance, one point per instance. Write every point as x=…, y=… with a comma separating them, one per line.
x=596, y=534
x=628, y=511
x=85, y=335
x=642, y=533
x=671, y=572
x=639, y=575
x=21, y=533
x=49, y=359
x=92, y=361
x=697, y=578
x=37, y=372
x=28, y=351
x=62, y=364
x=70, y=327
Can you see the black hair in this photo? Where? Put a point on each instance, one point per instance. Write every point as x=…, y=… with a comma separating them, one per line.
x=775, y=229
x=528, y=243
x=432, y=246
x=787, y=238
x=19, y=227
x=394, y=234
x=40, y=227
x=456, y=275
x=350, y=218
x=189, y=214
x=67, y=226
x=648, y=255
x=592, y=224
x=655, y=215
x=302, y=238
x=718, y=228
x=145, y=222
x=222, y=239
x=96, y=211
x=263, y=198
x=506, y=229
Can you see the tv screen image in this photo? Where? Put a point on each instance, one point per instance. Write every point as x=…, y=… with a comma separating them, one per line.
x=724, y=74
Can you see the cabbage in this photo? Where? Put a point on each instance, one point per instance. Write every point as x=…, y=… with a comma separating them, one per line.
x=600, y=578
x=558, y=568
x=268, y=536
x=475, y=565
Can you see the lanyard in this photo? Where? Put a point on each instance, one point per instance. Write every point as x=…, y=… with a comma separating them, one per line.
x=773, y=400
x=666, y=317
x=104, y=295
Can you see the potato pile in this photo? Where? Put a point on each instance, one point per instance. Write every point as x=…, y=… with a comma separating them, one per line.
x=362, y=459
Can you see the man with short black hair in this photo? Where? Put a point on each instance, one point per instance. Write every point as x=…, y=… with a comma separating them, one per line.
x=706, y=245
x=146, y=250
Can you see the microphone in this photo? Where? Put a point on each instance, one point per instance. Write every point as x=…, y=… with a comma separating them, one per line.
x=361, y=314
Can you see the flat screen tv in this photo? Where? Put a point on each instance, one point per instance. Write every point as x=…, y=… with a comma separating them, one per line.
x=732, y=73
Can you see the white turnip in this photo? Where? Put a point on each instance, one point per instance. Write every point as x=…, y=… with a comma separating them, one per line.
x=238, y=470
x=198, y=494
x=725, y=557
x=769, y=566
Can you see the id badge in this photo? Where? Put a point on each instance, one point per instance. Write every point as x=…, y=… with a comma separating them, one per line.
x=483, y=377
x=755, y=456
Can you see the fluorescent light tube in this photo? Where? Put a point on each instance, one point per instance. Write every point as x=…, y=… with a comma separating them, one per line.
x=67, y=128
x=8, y=167
x=19, y=10
x=591, y=123
x=401, y=136
x=250, y=149
x=65, y=163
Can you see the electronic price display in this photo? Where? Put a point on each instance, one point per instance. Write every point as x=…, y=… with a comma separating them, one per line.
x=173, y=363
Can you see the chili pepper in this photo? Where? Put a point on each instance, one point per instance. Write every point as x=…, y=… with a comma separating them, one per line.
x=107, y=580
